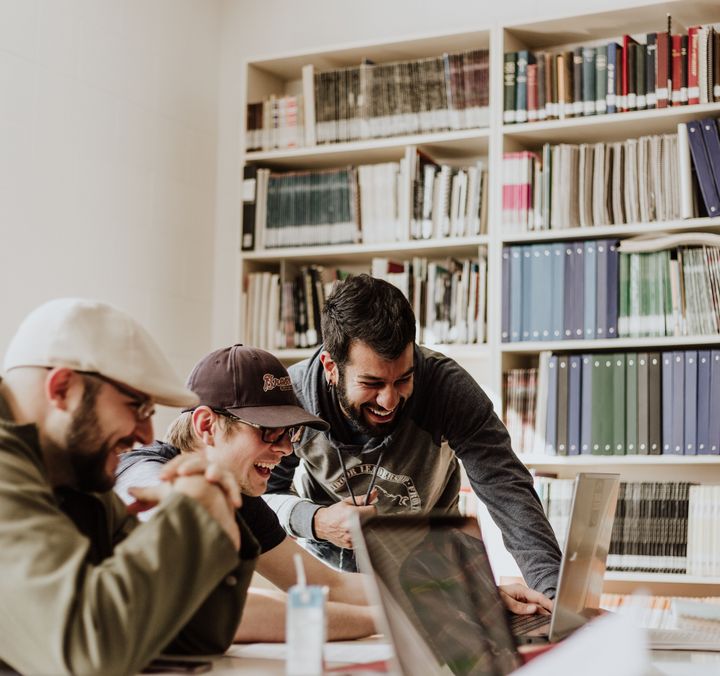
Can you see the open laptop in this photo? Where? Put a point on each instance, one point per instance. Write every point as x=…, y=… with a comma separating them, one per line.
x=441, y=608
x=582, y=568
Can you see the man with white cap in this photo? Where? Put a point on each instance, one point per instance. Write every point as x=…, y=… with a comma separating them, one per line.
x=85, y=589
x=245, y=420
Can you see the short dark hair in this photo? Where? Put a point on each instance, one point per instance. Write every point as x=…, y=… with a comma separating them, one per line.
x=373, y=311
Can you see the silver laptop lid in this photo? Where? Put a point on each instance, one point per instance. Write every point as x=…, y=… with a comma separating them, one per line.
x=434, y=583
x=585, y=555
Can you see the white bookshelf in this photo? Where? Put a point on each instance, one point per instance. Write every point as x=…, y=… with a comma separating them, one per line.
x=282, y=74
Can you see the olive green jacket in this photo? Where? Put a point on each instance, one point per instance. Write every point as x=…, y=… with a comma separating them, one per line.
x=85, y=589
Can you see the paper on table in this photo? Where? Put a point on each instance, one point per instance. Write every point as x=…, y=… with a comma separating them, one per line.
x=612, y=644
x=338, y=652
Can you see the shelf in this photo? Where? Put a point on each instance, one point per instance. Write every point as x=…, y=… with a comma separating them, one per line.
x=614, y=127
x=606, y=231
x=616, y=344
x=361, y=253
x=667, y=578
x=287, y=66
x=481, y=351
x=597, y=460
x=450, y=145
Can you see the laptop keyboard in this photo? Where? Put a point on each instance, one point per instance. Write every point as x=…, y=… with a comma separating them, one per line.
x=522, y=624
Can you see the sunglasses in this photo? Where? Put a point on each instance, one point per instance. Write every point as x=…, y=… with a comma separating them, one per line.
x=144, y=406
x=269, y=435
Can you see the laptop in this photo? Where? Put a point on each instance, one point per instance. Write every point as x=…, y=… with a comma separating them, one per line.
x=442, y=611
x=582, y=568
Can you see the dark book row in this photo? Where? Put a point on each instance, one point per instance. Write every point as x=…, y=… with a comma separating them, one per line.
x=388, y=99
x=650, y=531
x=657, y=70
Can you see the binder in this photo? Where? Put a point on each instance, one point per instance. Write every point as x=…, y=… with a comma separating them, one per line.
x=691, y=393
x=618, y=403
x=586, y=405
x=631, y=403
x=574, y=403
x=703, y=402
x=703, y=170
x=712, y=146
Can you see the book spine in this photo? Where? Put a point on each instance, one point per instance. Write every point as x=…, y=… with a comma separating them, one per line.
x=509, y=88
x=683, y=69
x=521, y=111
x=588, y=81
x=640, y=72
x=650, y=64
x=692, y=66
x=532, y=92
x=661, y=71
x=577, y=90
x=676, y=72
x=613, y=76
x=601, y=80
x=542, y=91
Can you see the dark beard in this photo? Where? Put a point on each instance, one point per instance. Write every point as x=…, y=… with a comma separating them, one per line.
x=86, y=452
x=355, y=413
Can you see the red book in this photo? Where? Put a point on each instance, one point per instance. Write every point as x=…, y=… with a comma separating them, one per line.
x=693, y=63
x=661, y=71
x=532, y=92
x=627, y=40
x=676, y=74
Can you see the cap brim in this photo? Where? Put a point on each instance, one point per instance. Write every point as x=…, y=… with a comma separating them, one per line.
x=279, y=416
x=178, y=398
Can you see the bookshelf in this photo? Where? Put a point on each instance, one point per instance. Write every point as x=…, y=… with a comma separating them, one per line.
x=283, y=75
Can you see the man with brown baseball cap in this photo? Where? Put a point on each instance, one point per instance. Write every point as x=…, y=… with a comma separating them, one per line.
x=245, y=419
x=83, y=585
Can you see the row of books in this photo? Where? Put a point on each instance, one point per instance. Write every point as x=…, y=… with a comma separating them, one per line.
x=665, y=285
x=638, y=72
x=276, y=122
x=560, y=291
x=594, y=184
x=627, y=403
x=640, y=180
x=660, y=612
x=703, y=531
x=650, y=529
x=416, y=198
x=672, y=292
x=448, y=298
x=374, y=100
x=285, y=314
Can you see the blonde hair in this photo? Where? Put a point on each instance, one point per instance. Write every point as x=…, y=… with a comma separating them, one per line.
x=181, y=433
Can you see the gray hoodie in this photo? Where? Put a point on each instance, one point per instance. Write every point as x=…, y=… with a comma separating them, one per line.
x=417, y=471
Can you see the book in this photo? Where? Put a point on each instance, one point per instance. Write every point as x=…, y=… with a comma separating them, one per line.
x=574, y=403
x=249, y=192
x=703, y=402
x=631, y=403
x=563, y=384
x=690, y=402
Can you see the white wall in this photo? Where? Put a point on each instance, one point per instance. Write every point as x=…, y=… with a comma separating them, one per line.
x=108, y=137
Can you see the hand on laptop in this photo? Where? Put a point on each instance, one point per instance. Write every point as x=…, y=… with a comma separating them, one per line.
x=522, y=600
x=333, y=523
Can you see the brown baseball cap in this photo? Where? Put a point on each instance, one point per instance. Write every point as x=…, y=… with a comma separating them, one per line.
x=251, y=384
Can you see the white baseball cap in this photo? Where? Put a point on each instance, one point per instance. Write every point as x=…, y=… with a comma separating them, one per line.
x=87, y=335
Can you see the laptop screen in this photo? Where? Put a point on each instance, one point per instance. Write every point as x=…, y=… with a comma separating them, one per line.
x=433, y=573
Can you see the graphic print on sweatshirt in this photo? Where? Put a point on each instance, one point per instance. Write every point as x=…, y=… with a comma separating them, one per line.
x=395, y=491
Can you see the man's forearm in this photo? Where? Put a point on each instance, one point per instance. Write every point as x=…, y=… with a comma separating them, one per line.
x=263, y=619
x=295, y=514
x=348, y=588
